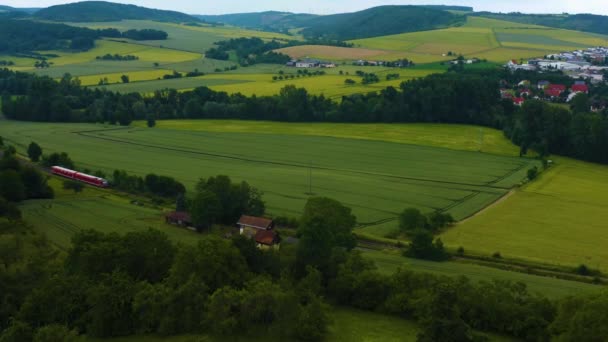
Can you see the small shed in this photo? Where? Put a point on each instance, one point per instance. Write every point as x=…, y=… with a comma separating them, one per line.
x=266, y=239
x=250, y=225
x=179, y=218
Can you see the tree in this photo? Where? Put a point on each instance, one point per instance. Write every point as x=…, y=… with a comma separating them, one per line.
x=1, y=142
x=325, y=224
x=423, y=247
x=180, y=202
x=54, y=333
x=205, y=209
x=11, y=186
x=124, y=79
x=76, y=186
x=313, y=322
x=411, y=219
x=151, y=120
x=349, y=81
x=532, y=173
x=17, y=332
x=110, y=304
x=442, y=320
x=580, y=103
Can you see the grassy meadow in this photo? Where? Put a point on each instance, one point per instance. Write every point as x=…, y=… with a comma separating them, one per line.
x=560, y=219
x=376, y=178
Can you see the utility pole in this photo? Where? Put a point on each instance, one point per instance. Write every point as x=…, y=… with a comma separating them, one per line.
x=310, y=178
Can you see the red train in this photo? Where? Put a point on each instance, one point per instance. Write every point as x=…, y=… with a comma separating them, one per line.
x=67, y=173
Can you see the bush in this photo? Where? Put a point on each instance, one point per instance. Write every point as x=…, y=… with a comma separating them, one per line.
x=532, y=173
x=73, y=185
x=496, y=255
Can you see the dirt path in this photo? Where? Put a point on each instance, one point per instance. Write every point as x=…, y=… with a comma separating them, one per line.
x=495, y=203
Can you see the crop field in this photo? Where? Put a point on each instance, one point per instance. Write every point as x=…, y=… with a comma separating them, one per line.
x=187, y=38
x=376, y=178
x=456, y=137
x=560, y=219
x=136, y=76
x=186, y=83
x=389, y=262
x=332, y=52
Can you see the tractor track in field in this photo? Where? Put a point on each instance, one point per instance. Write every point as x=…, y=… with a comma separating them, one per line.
x=91, y=134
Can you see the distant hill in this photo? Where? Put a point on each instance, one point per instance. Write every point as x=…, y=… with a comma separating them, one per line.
x=13, y=9
x=268, y=21
x=379, y=21
x=450, y=8
x=578, y=22
x=100, y=11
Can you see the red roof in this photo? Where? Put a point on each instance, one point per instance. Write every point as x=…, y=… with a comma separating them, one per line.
x=559, y=87
x=553, y=92
x=255, y=222
x=266, y=237
x=580, y=88
x=518, y=100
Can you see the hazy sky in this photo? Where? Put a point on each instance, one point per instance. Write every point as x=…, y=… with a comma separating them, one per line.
x=336, y=6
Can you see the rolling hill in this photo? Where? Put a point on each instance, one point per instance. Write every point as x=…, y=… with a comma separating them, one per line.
x=268, y=21
x=372, y=22
x=380, y=21
x=578, y=22
x=102, y=11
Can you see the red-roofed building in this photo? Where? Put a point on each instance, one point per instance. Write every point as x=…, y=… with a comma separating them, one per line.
x=179, y=218
x=266, y=239
x=518, y=101
x=250, y=225
x=580, y=88
x=555, y=90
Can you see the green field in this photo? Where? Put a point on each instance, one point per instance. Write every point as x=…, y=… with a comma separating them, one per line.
x=376, y=178
x=389, y=262
x=97, y=209
x=560, y=219
x=456, y=137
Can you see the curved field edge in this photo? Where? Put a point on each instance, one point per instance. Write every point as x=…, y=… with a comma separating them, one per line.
x=456, y=137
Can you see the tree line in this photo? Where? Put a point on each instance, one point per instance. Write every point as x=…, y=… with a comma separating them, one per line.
x=109, y=285
x=465, y=97
x=248, y=51
x=27, y=36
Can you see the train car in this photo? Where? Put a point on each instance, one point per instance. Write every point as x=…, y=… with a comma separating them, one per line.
x=78, y=176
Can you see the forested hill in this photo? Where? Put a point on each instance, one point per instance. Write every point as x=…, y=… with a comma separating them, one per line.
x=26, y=36
x=100, y=11
x=578, y=22
x=268, y=21
x=450, y=8
x=380, y=21
x=13, y=9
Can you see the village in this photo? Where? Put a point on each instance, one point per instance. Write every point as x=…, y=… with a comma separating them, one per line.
x=590, y=64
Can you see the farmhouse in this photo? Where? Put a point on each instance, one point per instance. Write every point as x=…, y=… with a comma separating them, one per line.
x=179, y=218
x=518, y=101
